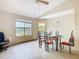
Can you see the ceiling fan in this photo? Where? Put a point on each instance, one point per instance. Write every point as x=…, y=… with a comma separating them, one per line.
x=46, y=2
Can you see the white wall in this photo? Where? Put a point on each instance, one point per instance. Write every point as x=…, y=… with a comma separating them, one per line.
x=64, y=24
x=8, y=26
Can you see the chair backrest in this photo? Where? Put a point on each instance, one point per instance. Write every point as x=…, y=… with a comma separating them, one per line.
x=41, y=35
x=45, y=34
x=2, y=37
x=57, y=33
x=71, y=40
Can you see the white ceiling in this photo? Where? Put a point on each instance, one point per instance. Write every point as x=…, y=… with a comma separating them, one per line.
x=58, y=14
x=29, y=8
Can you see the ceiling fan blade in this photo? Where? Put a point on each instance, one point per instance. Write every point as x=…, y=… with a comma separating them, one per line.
x=44, y=2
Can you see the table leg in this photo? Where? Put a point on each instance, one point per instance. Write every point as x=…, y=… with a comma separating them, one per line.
x=57, y=45
x=60, y=42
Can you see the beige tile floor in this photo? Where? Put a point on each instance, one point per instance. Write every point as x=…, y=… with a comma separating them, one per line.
x=30, y=50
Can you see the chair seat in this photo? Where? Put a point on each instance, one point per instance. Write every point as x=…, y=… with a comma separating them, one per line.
x=42, y=40
x=65, y=43
x=49, y=42
x=54, y=38
x=3, y=43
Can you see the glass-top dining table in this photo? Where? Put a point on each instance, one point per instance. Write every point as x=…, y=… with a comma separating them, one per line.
x=57, y=39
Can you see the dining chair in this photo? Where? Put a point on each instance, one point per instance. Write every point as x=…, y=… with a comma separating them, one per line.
x=41, y=37
x=56, y=38
x=70, y=43
x=48, y=42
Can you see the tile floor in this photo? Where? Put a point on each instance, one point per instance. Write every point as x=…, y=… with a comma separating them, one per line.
x=30, y=50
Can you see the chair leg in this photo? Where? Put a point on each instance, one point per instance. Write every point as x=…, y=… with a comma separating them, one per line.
x=60, y=42
x=63, y=46
x=45, y=46
x=40, y=44
x=70, y=49
x=48, y=47
x=52, y=46
x=3, y=48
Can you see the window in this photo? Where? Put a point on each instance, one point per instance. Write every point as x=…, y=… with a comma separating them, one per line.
x=23, y=28
x=41, y=27
x=19, y=28
x=28, y=28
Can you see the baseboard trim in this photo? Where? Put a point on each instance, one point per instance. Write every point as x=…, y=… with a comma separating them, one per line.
x=22, y=42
